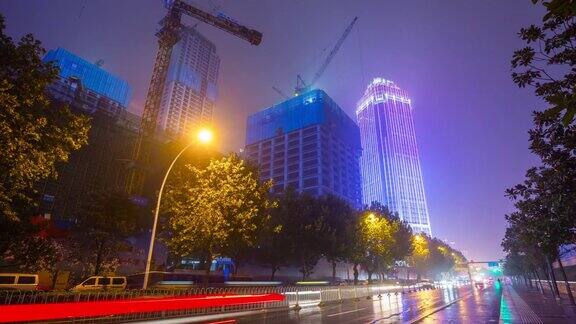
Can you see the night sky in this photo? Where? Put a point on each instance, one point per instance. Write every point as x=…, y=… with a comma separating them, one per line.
x=451, y=56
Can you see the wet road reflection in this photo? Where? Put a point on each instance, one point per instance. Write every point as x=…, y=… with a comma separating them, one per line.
x=483, y=306
x=387, y=309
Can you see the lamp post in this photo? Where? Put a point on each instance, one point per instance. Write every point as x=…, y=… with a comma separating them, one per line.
x=204, y=136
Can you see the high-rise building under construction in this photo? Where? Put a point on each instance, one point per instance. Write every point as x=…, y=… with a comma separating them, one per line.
x=307, y=143
x=390, y=163
x=190, y=89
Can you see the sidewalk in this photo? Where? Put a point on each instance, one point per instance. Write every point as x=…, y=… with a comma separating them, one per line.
x=523, y=305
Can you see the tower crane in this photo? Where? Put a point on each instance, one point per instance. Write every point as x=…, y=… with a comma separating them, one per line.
x=282, y=94
x=301, y=86
x=168, y=36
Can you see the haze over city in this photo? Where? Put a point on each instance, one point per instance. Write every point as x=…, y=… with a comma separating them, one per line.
x=288, y=161
x=471, y=121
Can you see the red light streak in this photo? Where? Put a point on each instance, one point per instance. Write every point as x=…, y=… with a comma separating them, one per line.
x=40, y=312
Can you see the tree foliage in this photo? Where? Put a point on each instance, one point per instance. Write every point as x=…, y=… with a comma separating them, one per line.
x=35, y=135
x=377, y=240
x=24, y=250
x=338, y=217
x=213, y=210
x=543, y=220
x=547, y=62
x=307, y=231
x=102, y=228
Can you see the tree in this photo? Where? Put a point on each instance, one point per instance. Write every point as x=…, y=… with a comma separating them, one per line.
x=356, y=248
x=103, y=224
x=376, y=235
x=35, y=135
x=212, y=210
x=420, y=254
x=545, y=200
x=307, y=231
x=544, y=217
x=338, y=217
x=403, y=234
x=25, y=250
x=276, y=244
x=547, y=62
x=441, y=259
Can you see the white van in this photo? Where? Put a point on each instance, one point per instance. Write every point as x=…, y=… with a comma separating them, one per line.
x=101, y=283
x=18, y=281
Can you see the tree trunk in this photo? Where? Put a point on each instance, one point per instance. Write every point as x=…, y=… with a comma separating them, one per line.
x=274, y=269
x=98, y=258
x=236, y=266
x=553, y=276
x=355, y=268
x=566, y=282
x=208, y=264
x=525, y=280
x=549, y=280
x=538, y=283
x=333, y=271
x=54, y=278
x=206, y=279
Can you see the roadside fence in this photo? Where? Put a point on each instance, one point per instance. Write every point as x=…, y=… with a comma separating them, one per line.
x=296, y=297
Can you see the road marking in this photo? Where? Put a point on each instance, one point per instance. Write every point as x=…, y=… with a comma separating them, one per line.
x=347, y=312
x=390, y=316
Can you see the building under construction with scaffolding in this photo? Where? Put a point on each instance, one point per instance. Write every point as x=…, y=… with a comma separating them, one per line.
x=100, y=165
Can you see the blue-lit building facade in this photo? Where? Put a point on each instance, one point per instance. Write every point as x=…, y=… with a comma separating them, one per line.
x=101, y=165
x=309, y=143
x=390, y=162
x=99, y=83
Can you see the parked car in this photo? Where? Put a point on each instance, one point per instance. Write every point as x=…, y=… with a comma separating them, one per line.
x=96, y=283
x=18, y=281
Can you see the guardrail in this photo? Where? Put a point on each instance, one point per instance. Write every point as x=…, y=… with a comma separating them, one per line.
x=295, y=297
x=561, y=285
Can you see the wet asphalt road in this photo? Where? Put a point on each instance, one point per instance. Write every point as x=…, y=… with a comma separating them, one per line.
x=471, y=306
x=482, y=306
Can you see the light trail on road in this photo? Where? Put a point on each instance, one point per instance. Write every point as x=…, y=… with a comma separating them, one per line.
x=42, y=312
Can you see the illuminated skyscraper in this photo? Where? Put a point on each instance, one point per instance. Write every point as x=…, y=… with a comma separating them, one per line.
x=390, y=162
x=190, y=92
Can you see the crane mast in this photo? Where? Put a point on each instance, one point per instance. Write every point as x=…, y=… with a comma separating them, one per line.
x=168, y=36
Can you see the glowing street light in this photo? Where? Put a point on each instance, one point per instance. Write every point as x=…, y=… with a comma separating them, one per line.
x=203, y=136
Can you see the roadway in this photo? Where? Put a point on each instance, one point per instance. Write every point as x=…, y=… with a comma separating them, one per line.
x=390, y=309
x=443, y=305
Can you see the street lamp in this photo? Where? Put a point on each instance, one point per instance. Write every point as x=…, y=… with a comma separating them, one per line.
x=204, y=136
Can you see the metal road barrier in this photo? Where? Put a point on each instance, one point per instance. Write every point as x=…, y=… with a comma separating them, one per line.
x=295, y=297
x=561, y=285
